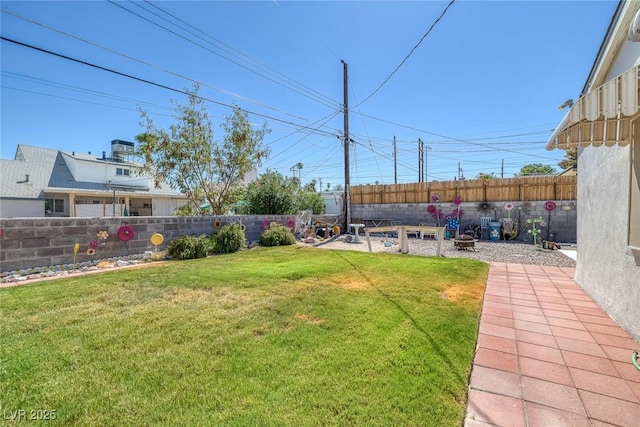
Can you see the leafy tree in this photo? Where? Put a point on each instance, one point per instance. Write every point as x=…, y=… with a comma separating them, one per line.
x=275, y=194
x=536, y=169
x=484, y=175
x=186, y=210
x=309, y=201
x=191, y=161
x=570, y=159
x=271, y=194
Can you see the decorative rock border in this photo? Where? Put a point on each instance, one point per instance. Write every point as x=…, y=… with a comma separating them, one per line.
x=68, y=269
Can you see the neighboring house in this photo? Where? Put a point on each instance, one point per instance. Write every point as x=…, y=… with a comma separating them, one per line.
x=44, y=182
x=605, y=126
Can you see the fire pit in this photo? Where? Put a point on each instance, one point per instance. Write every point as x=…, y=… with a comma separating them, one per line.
x=464, y=242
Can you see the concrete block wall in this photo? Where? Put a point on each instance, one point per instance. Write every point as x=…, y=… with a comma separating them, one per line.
x=42, y=242
x=563, y=218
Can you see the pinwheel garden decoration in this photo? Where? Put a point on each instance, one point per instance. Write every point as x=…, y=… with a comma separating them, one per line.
x=156, y=240
x=549, y=206
x=76, y=248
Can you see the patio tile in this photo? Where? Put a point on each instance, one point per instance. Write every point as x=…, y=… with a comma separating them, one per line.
x=595, y=423
x=552, y=299
x=545, y=371
x=609, y=409
x=618, y=353
x=565, y=323
x=495, y=409
x=536, y=338
x=496, y=298
x=501, y=305
x=497, y=312
x=532, y=327
x=518, y=296
x=543, y=416
x=554, y=306
x=578, y=346
x=496, y=381
x=468, y=422
x=614, y=341
x=559, y=314
x=524, y=302
x=497, y=330
x=533, y=351
x=607, y=330
x=591, y=311
x=553, y=395
x=582, y=303
x=586, y=362
x=497, y=343
x=529, y=310
x=602, y=384
x=635, y=388
x=530, y=317
x=587, y=318
x=626, y=370
x=559, y=331
x=496, y=320
x=496, y=360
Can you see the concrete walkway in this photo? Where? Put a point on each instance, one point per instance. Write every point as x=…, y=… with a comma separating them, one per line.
x=547, y=355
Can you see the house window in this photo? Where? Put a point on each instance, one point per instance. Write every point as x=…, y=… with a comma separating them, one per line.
x=634, y=196
x=54, y=206
x=123, y=171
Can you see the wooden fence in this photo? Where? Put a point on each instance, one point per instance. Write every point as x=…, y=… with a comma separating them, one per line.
x=534, y=188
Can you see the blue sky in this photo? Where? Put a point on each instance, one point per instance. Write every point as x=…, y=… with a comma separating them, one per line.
x=481, y=90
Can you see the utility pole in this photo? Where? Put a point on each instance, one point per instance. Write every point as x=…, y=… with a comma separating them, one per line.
x=502, y=169
x=320, y=185
x=395, y=162
x=420, y=155
x=347, y=180
x=426, y=164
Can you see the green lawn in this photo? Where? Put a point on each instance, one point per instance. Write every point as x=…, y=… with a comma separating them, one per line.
x=285, y=336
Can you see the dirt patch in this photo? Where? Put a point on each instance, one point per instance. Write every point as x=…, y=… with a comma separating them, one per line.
x=461, y=293
x=306, y=318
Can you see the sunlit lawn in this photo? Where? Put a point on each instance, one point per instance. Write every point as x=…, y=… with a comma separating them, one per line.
x=273, y=336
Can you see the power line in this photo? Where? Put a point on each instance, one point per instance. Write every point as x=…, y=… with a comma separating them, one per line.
x=218, y=54
x=150, y=65
x=139, y=79
x=260, y=64
x=452, y=138
x=411, y=52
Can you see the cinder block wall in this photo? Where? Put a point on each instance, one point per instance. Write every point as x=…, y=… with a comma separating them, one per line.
x=41, y=242
x=563, y=218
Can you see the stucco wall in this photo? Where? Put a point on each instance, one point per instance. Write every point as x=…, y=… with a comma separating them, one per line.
x=40, y=242
x=606, y=268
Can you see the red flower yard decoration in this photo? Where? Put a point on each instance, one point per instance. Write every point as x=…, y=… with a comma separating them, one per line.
x=126, y=233
x=550, y=206
x=457, y=200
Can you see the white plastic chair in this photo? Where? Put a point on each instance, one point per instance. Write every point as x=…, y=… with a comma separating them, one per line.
x=484, y=225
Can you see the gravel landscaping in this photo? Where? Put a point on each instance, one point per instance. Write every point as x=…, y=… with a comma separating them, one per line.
x=488, y=251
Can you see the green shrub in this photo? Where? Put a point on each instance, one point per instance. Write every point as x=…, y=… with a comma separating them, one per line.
x=229, y=239
x=190, y=247
x=277, y=235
